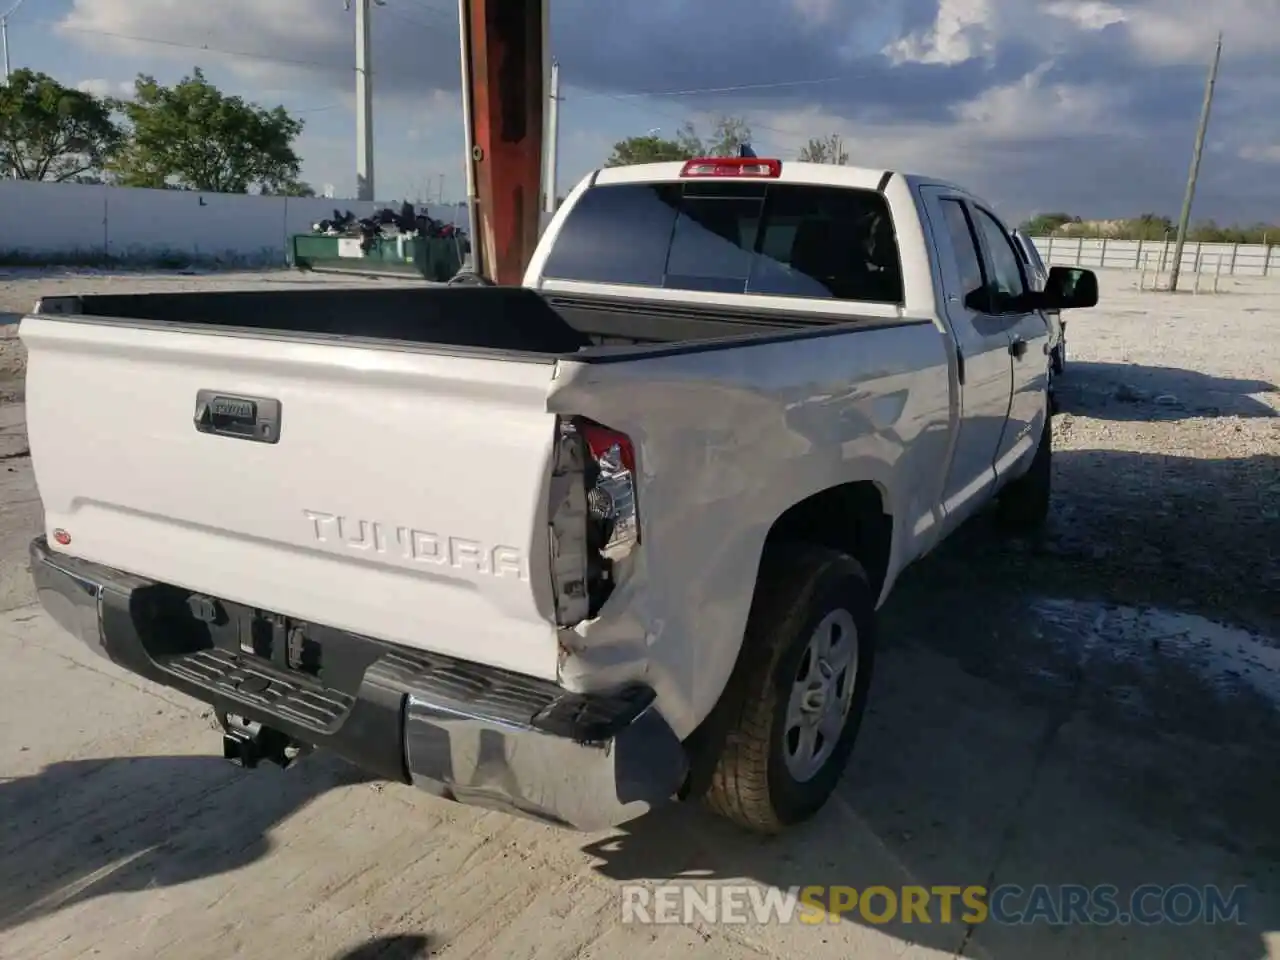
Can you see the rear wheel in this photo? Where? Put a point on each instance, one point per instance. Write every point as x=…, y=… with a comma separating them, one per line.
x=811, y=640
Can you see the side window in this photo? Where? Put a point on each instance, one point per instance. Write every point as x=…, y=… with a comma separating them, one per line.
x=968, y=256
x=1006, y=280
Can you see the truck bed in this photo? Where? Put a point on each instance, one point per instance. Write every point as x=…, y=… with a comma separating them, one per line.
x=487, y=321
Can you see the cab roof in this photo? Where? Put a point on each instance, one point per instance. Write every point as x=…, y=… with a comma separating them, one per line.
x=793, y=171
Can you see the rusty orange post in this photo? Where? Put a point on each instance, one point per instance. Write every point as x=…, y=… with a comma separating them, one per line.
x=506, y=83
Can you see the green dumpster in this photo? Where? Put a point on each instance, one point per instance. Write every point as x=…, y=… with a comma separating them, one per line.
x=431, y=258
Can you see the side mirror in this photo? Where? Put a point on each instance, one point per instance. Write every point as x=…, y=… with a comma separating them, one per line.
x=1069, y=288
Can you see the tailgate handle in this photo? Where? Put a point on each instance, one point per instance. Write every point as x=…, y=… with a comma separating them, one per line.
x=242, y=418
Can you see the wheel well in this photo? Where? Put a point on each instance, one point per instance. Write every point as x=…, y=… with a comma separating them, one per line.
x=850, y=518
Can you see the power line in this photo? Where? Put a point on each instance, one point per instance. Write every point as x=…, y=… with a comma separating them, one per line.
x=206, y=48
x=696, y=91
x=440, y=13
x=404, y=18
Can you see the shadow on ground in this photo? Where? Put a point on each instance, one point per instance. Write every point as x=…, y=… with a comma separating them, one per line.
x=89, y=828
x=1130, y=391
x=1031, y=724
x=396, y=947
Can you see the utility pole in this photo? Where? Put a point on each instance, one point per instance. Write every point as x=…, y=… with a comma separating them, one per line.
x=364, y=99
x=442, y=188
x=553, y=140
x=4, y=35
x=477, y=264
x=1185, y=218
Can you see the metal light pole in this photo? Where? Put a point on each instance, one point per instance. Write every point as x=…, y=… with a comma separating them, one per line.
x=1194, y=175
x=553, y=140
x=4, y=35
x=364, y=99
x=469, y=139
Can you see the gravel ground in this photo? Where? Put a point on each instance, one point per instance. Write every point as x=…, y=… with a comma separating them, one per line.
x=1167, y=449
x=1100, y=705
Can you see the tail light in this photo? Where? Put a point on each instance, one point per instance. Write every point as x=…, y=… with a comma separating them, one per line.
x=594, y=517
x=732, y=167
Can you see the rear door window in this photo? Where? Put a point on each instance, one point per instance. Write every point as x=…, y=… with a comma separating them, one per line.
x=966, y=252
x=772, y=239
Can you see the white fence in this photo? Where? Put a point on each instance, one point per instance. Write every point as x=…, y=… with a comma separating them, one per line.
x=1227, y=259
x=68, y=222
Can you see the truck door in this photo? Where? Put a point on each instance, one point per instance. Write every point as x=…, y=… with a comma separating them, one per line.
x=985, y=363
x=1028, y=340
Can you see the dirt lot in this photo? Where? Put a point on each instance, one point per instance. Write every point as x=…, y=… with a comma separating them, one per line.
x=1098, y=707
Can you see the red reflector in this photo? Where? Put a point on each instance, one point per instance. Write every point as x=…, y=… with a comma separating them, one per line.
x=600, y=440
x=61, y=537
x=732, y=167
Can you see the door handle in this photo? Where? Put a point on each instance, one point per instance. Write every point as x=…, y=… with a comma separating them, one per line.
x=242, y=418
x=1018, y=348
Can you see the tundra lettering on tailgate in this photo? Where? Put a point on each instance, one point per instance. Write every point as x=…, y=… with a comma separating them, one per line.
x=420, y=546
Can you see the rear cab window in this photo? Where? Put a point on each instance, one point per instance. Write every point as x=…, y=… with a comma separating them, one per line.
x=742, y=237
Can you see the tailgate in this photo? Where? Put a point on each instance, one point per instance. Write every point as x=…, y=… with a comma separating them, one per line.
x=403, y=494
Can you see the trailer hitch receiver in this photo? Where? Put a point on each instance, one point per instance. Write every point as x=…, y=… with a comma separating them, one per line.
x=247, y=743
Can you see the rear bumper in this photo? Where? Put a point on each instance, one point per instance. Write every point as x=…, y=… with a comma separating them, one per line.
x=465, y=732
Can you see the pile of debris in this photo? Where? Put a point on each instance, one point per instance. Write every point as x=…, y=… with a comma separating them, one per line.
x=387, y=223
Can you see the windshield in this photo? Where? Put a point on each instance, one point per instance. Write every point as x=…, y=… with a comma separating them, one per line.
x=771, y=239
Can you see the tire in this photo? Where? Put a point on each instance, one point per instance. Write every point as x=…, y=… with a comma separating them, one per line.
x=1022, y=507
x=469, y=280
x=804, y=593
x=1059, y=358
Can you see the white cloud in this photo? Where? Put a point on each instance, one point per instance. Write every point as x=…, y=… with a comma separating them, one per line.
x=105, y=88
x=817, y=11
x=1182, y=31
x=1030, y=108
x=1261, y=153
x=1086, y=14
x=961, y=31
x=273, y=27
x=1026, y=110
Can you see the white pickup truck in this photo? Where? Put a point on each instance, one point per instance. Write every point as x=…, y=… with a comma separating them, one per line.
x=570, y=549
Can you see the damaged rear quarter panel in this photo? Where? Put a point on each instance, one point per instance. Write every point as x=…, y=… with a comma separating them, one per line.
x=726, y=441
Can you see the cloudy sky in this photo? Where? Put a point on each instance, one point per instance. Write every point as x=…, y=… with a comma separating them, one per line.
x=1087, y=106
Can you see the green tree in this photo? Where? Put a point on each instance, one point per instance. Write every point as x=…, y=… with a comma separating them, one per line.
x=193, y=136
x=727, y=135
x=296, y=188
x=1044, y=224
x=828, y=149
x=1148, y=226
x=52, y=132
x=648, y=149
